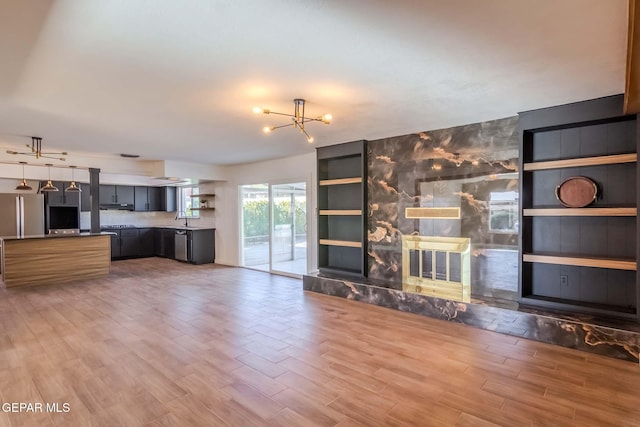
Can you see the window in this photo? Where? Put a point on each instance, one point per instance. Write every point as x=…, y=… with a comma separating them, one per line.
x=503, y=212
x=186, y=202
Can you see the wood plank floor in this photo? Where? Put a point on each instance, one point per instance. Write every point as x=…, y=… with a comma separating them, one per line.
x=160, y=343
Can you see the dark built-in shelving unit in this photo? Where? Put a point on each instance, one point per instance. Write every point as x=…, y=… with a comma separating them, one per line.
x=580, y=259
x=342, y=204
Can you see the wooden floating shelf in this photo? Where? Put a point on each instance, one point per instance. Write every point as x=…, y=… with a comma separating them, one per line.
x=617, y=264
x=203, y=209
x=581, y=212
x=340, y=243
x=585, y=161
x=357, y=212
x=202, y=195
x=341, y=181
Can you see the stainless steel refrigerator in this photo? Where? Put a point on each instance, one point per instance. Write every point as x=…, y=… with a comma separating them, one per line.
x=21, y=214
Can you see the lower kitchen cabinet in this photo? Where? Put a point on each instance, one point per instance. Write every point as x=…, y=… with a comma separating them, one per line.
x=201, y=246
x=115, y=243
x=157, y=242
x=160, y=242
x=129, y=243
x=146, y=242
x=164, y=242
x=168, y=243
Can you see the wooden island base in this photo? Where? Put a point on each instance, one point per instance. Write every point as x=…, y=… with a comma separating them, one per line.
x=46, y=259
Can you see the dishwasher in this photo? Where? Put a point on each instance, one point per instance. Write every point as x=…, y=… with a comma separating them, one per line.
x=181, y=245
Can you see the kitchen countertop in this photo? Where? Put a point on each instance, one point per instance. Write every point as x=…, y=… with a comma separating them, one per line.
x=184, y=228
x=54, y=236
x=171, y=227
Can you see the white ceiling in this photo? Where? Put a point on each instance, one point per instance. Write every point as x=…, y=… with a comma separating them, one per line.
x=175, y=79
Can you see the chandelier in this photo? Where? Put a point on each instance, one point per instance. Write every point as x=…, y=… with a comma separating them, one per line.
x=298, y=119
x=36, y=150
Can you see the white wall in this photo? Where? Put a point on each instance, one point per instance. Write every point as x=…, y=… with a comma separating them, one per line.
x=290, y=169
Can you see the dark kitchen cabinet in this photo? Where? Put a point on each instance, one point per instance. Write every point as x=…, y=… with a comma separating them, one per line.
x=164, y=239
x=154, y=198
x=168, y=242
x=148, y=199
x=168, y=200
x=107, y=194
x=201, y=246
x=61, y=197
x=115, y=243
x=141, y=199
x=70, y=198
x=54, y=197
x=157, y=242
x=125, y=194
x=146, y=244
x=129, y=243
x=117, y=194
x=85, y=197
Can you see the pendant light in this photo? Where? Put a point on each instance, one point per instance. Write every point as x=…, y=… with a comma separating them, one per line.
x=23, y=186
x=49, y=186
x=73, y=188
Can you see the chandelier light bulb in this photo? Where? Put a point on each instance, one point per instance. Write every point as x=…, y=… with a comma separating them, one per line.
x=310, y=139
x=267, y=129
x=257, y=110
x=326, y=119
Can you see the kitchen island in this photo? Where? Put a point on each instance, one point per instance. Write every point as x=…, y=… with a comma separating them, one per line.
x=47, y=259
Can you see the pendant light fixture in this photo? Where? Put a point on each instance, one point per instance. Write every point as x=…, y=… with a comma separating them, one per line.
x=23, y=186
x=73, y=188
x=36, y=150
x=49, y=186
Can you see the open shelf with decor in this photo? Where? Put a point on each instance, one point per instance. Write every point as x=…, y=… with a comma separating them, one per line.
x=578, y=218
x=204, y=202
x=341, y=203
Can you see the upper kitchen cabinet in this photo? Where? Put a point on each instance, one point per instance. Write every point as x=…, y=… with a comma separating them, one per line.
x=122, y=195
x=85, y=197
x=168, y=200
x=61, y=197
x=107, y=194
x=125, y=195
x=148, y=199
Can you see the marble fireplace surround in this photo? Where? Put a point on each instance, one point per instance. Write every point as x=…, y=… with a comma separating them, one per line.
x=444, y=184
x=585, y=333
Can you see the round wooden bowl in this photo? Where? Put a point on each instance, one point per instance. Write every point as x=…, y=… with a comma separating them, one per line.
x=577, y=192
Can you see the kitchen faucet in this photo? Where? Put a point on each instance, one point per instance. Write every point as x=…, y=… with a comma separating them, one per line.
x=186, y=224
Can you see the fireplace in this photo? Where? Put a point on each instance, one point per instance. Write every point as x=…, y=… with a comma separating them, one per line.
x=437, y=266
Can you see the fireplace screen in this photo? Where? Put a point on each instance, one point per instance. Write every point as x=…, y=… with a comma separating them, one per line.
x=437, y=266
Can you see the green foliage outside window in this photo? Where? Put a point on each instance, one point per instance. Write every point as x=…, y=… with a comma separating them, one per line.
x=256, y=216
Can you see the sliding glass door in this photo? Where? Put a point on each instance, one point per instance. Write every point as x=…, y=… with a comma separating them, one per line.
x=274, y=227
x=255, y=226
x=289, y=229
